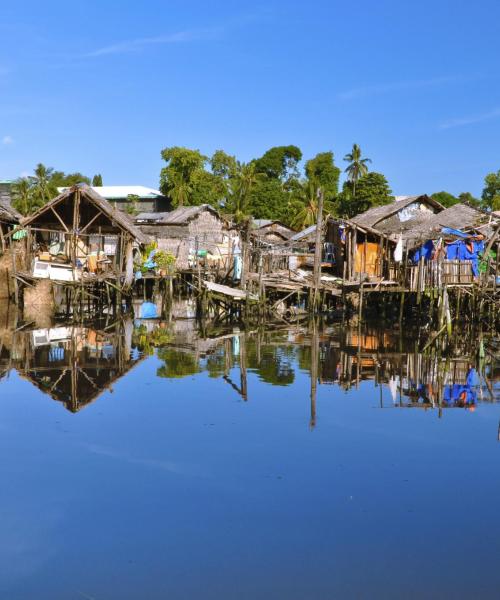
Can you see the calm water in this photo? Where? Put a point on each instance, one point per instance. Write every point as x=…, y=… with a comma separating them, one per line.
x=146, y=460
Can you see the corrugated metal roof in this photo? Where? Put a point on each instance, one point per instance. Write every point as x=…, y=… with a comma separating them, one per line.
x=303, y=234
x=262, y=222
x=114, y=192
x=150, y=216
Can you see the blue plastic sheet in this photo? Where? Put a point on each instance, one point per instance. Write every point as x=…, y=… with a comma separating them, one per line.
x=426, y=251
x=460, y=250
x=148, y=311
x=457, y=232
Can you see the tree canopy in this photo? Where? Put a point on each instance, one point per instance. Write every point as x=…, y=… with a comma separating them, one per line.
x=372, y=190
x=445, y=198
x=272, y=186
x=280, y=162
x=491, y=191
x=32, y=192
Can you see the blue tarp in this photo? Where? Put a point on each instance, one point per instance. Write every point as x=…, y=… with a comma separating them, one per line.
x=426, y=251
x=460, y=250
x=148, y=311
x=462, y=395
x=457, y=232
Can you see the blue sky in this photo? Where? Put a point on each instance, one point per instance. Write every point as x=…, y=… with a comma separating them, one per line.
x=103, y=86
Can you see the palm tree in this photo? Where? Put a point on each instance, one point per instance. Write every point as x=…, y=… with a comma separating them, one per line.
x=43, y=188
x=242, y=185
x=357, y=166
x=22, y=196
x=180, y=190
x=308, y=213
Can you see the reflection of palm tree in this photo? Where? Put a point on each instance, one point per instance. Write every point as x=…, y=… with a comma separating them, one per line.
x=242, y=185
x=181, y=190
x=357, y=166
x=22, y=196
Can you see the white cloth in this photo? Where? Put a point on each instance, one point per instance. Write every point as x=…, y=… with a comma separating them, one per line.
x=398, y=252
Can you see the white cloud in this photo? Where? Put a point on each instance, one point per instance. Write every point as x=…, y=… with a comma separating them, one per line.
x=470, y=120
x=396, y=86
x=6, y=140
x=137, y=44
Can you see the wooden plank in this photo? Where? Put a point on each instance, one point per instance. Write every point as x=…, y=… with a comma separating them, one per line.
x=228, y=291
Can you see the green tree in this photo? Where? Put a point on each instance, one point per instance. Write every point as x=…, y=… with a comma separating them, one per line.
x=280, y=162
x=61, y=179
x=372, y=190
x=97, y=180
x=468, y=198
x=23, y=198
x=44, y=189
x=445, y=198
x=180, y=190
x=357, y=167
x=186, y=181
x=132, y=206
x=243, y=185
x=269, y=200
x=491, y=191
x=176, y=177
x=207, y=188
x=322, y=171
x=223, y=165
x=308, y=213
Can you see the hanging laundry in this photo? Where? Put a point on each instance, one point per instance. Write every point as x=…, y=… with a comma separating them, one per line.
x=398, y=252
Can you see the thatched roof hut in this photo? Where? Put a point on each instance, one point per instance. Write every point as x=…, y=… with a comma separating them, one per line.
x=82, y=209
x=79, y=233
x=391, y=218
x=8, y=214
x=190, y=229
x=459, y=216
x=268, y=231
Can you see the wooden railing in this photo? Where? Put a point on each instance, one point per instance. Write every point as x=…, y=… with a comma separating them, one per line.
x=433, y=274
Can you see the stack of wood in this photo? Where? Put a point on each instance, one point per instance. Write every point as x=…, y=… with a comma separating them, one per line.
x=289, y=281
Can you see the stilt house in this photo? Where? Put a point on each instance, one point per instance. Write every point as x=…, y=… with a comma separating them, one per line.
x=192, y=234
x=9, y=218
x=79, y=237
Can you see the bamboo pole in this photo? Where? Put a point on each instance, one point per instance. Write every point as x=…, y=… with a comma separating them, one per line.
x=318, y=251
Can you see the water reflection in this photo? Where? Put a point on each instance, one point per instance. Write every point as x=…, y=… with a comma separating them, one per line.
x=72, y=364
x=75, y=364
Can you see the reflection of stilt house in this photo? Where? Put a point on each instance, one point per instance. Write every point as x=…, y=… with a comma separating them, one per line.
x=78, y=240
x=75, y=365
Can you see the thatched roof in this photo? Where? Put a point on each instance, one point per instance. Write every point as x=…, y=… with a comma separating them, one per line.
x=265, y=227
x=117, y=217
x=8, y=213
x=180, y=216
x=459, y=216
x=373, y=216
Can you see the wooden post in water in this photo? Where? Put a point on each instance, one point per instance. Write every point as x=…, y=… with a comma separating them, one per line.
x=318, y=252
x=314, y=372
